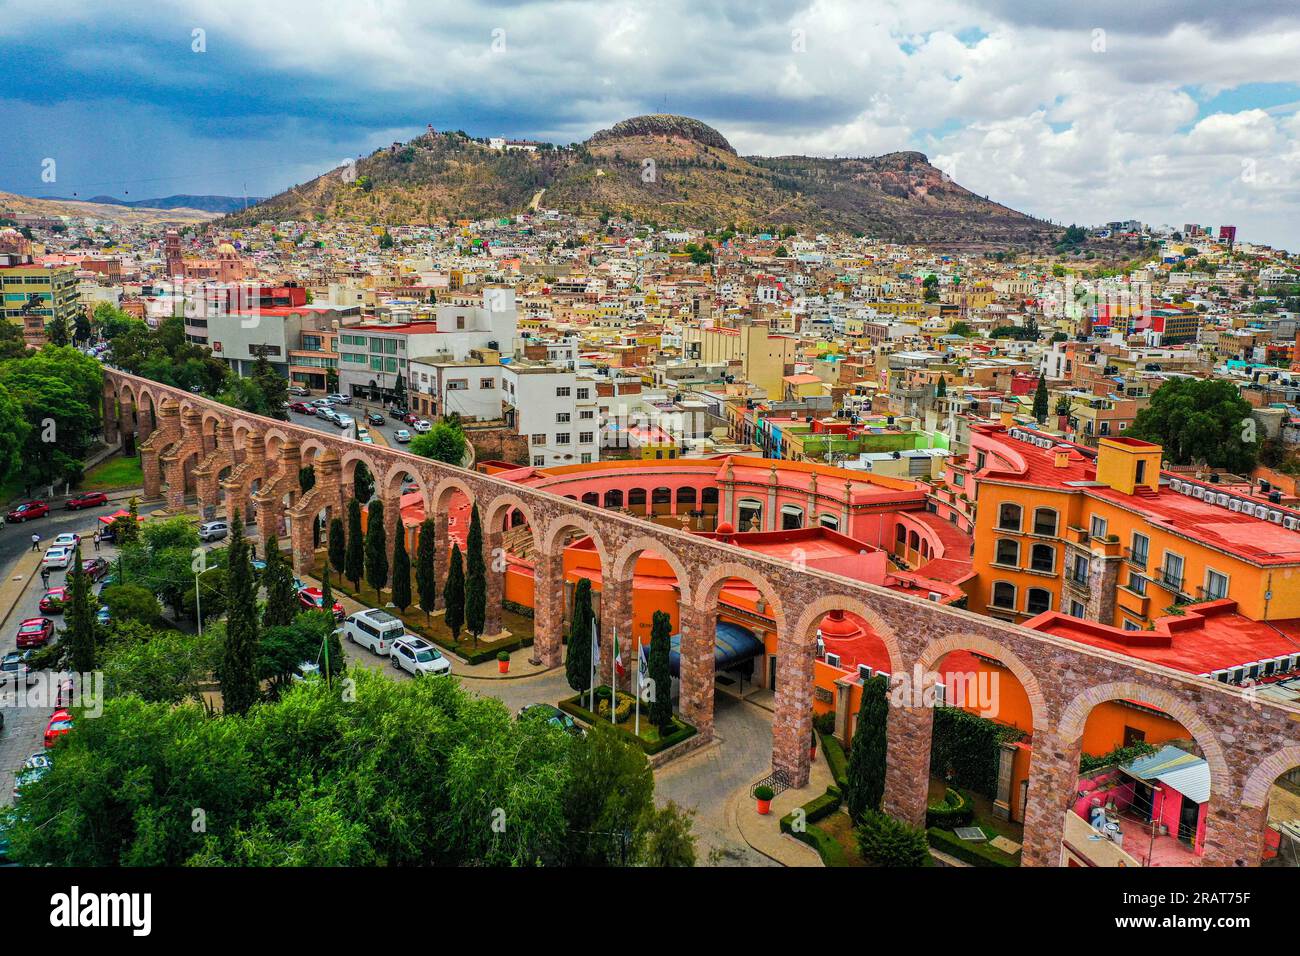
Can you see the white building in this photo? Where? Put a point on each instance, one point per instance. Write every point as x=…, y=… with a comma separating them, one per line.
x=555, y=411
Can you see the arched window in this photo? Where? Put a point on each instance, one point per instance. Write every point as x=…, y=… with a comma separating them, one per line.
x=913, y=541
x=614, y=499
x=662, y=496
x=710, y=496
x=1038, y=600
x=1009, y=517
x=829, y=521
x=900, y=533
x=686, y=496
x=591, y=498
x=1008, y=553
x=1042, y=557
x=636, y=498
x=1004, y=595
x=791, y=517
x=750, y=513
x=1045, y=520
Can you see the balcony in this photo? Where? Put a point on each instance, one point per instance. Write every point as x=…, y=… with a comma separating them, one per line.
x=1078, y=582
x=1137, y=558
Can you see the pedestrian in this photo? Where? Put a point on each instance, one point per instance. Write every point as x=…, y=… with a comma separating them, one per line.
x=36, y=542
x=45, y=576
x=97, y=540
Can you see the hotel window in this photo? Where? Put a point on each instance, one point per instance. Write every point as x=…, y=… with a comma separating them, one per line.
x=1098, y=527
x=562, y=438
x=1141, y=549
x=486, y=383
x=1038, y=600
x=1004, y=595
x=1216, y=586
x=1009, y=517
x=539, y=461
x=584, y=394
x=1045, y=521
x=1076, y=609
x=1137, y=583
x=1042, y=557
x=586, y=438
x=562, y=418
x=587, y=415
x=1008, y=553
x=586, y=458
x=1172, y=572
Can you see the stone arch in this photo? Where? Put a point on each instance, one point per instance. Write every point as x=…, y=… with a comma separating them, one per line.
x=625, y=563
x=1254, y=792
x=568, y=522
x=440, y=497
x=1075, y=716
x=496, y=510
x=709, y=589
x=806, y=627
x=937, y=649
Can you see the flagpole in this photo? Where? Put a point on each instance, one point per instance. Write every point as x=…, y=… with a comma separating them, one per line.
x=591, y=668
x=613, y=676
x=636, y=689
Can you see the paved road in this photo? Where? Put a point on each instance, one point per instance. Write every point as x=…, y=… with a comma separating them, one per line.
x=358, y=411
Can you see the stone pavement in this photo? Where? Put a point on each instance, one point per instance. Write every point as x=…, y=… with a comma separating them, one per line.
x=763, y=833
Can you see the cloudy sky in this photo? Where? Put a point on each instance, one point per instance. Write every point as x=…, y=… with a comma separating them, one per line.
x=1169, y=111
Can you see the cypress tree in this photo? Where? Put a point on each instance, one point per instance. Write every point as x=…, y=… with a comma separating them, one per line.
x=661, y=708
x=363, y=483
x=376, y=548
x=354, y=561
x=577, y=662
x=281, y=598
x=941, y=389
x=1040, y=399
x=79, y=614
x=338, y=553
x=866, y=770
x=453, y=595
x=475, y=578
x=401, y=571
x=426, y=582
x=239, y=689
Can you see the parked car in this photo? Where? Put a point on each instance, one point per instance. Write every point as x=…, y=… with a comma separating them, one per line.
x=60, y=723
x=421, y=426
x=68, y=539
x=552, y=715
x=35, y=632
x=95, y=567
x=365, y=438
x=34, y=767
x=318, y=402
x=397, y=413
x=302, y=408
x=339, y=398
x=298, y=390
x=87, y=499
x=344, y=421
x=374, y=418
x=402, y=435
x=57, y=558
x=328, y=414
x=213, y=530
x=13, y=667
x=417, y=656
x=373, y=629
x=52, y=600
x=28, y=511
x=410, y=419
x=313, y=600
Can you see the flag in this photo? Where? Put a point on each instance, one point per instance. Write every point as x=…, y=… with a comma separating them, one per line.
x=595, y=647
x=644, y=661
x=618, y=659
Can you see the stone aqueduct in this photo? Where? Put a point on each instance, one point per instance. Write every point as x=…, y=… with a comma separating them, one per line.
x=225, y=457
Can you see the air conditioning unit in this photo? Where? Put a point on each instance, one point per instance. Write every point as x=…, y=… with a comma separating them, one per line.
x=1275, y=517
x=1221, y=676
x=864, y=673
x=833, y=660
x=1234, y=504
x=1176, y=485
x=1291, y=523
x=1221, y=499
x=1198, y=492
x=1238, y=675
x=1248, y=507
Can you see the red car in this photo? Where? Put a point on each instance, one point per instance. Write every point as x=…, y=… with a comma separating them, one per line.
x=35, y=632
x=410, y=419
x=89, y=499
x=53, y=599
x=28, y=511
x=313, y=600
x=301, y=408
x=96, y=568
x=60, y=723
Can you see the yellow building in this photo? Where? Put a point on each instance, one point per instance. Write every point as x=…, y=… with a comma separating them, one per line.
x=33, y=295
x=764, y=358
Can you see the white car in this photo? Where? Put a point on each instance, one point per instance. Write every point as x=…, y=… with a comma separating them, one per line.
x=417, y=656
x=422, y=426
x=402, y=435
x=67, y=539
x=344, y=421
x=213, y=530
x=340, y=398
x=57, y=558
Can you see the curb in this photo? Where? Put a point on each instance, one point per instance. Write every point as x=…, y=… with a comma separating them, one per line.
x=26, y=565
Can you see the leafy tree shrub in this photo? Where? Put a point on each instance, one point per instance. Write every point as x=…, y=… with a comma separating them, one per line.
x=884, y=841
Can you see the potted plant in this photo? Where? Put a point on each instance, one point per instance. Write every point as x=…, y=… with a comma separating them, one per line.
x=764, y=794
x=503, y=662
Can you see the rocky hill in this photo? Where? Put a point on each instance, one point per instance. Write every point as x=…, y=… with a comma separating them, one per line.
x=670, y=170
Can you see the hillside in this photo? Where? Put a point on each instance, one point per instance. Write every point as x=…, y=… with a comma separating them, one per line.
x=12, y=204
x=216, y=204
x=671, y=170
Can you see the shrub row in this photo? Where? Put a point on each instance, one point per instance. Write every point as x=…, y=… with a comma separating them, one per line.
x=955, y=811
x=827, y=847
x=976, y=854
x=836, y=760
x=681, y=730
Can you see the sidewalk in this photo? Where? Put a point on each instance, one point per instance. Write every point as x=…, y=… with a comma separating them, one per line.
x=11, y=589
x=763, y=833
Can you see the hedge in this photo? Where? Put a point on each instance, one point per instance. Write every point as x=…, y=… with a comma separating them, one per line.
x=965, y=750
x=1117, y=757
x=827, y=847
x=836, y=760
x=955, y=811
x=975, y=853
x=682, y=731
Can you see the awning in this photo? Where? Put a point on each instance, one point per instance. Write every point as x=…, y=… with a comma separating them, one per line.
x=735, y=645
x=1184, y=772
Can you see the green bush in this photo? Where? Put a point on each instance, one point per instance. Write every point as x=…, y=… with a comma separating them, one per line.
x=764, y=792
x=576, y=707
x=622, y=710
x=965, y=750
x=884, y=841
x=955, y=811
x=974, y=853
x=503, y=655
x=824, y=723
x=819, y=808
x=1116, y=757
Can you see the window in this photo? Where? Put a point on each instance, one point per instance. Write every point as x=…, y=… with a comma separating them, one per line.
x=1004, y=595
x=1137, y=583
x=1009, y=517
x=1079, y=573
x=586, y=438
x=562, y=418
x=1172, y=573
x=584, y=394
x=457, y=384
x=562, y=438
x=486, y=383
x=1007, y=552
x=1038, y=600
x=1141, y=549
x=1045, y=521
x=1216, y=585
x=1076, y=609
x=1042, y=557
x=1098, y=527
x=562, y=392
x=1130, y=626
x=587, y=414
x=539, y=440
x=539, y=461
x=586, y=458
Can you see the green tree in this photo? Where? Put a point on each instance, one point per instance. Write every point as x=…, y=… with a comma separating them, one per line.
x=940, y=388
x=158, y=664
x=884, y=841
x=79, y=617
x=401, y=571
x=930, y=287
x=131, y=603
x=577, y=662
x=354, y=564
x=443, y=442
x=281, y=597
x=1200, y=420
x=475, y=577
x=610, y=790
x=665, y=837
x=307, y=478
x=273, y=386
x=867, y=751
x=126, y=529
x=453, y=595
x=238, y=672
x=363, y=483
x=1040, y=399
x=338, y=553
x=376, y=547
x=661, y=707
x=426, y=581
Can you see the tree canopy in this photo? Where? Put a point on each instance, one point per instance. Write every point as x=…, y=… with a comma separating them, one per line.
x=1200, y=421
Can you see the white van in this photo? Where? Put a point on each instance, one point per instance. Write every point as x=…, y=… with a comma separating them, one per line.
x=373, y=629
